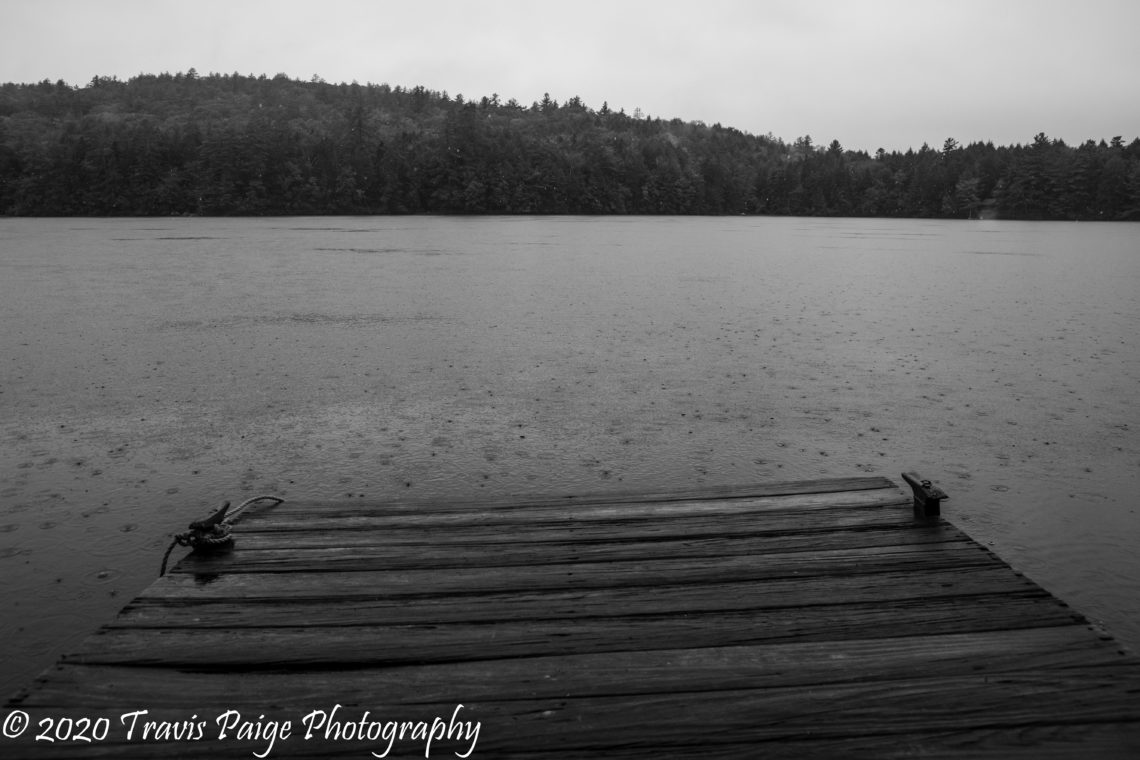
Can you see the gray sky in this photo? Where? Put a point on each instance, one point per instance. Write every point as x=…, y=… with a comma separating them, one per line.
x=870, y=73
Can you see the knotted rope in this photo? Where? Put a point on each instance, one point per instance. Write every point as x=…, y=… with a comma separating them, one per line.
x=212, y=533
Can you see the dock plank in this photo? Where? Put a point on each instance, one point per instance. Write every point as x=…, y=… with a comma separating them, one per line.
x=307, y=646
x=361, y=579
x=795, y=508
x=795, y=663
x=515, y=608
x=813, y=619
x=325, y=552
x=680, y=720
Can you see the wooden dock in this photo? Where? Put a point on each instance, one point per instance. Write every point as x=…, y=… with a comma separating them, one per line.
x=812, y=619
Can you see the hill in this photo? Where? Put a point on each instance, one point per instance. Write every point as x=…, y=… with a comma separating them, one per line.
x=244, y=145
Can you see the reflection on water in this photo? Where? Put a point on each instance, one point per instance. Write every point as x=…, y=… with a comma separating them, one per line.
x=155, y=368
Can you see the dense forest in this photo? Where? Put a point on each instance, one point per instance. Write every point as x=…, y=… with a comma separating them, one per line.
x=246, y=145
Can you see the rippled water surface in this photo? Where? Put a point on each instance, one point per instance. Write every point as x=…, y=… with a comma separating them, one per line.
x=150, y=369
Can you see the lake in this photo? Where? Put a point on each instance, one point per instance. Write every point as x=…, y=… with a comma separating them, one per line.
x=153, y=368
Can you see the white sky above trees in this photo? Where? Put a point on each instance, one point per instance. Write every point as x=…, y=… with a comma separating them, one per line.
x=869, y=73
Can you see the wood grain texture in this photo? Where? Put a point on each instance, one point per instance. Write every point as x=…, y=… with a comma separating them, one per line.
x=814, y=619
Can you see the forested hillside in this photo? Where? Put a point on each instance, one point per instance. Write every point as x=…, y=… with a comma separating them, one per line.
x=232, y=144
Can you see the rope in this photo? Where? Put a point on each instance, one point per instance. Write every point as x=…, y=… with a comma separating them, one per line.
x=230, y=517
x=212, y=533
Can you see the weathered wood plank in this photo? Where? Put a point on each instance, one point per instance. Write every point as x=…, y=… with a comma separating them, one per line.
x=948, y=703
x=380, y=518
x=660, y=722
x=628, y=672
x=961, y=578
x=756, y=555
x=1115, y=741
x=680, y=528
x=1103, y=741
x=332, y=550
x=355, y=558
x=521, y=605
x=917, y=573
x=573, y=501
x=902, y=531
x=360, y=646
x=325, y=550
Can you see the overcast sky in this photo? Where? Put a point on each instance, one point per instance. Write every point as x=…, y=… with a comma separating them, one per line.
x=869, y=73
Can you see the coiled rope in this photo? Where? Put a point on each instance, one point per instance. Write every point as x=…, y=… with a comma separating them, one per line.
x=214, y=532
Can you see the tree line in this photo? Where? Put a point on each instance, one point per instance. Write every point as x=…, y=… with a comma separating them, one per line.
x=244, y=145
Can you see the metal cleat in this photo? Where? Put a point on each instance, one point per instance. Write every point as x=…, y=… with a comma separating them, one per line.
x=927, y=496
